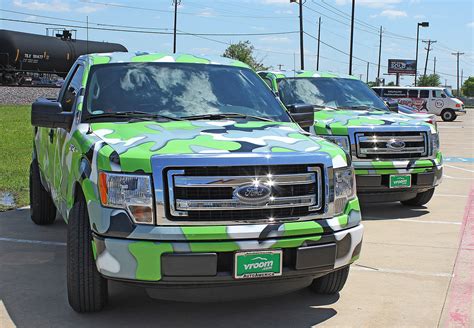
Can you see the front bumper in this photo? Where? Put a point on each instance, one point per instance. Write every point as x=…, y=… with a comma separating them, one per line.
x=460, y=111
x=211, y=262
x=373, y=185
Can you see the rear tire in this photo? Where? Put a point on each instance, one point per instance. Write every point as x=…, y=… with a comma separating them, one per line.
x=87, y=289
x=448, y=115
x=421, y=198
x=331, y=283
x=42, y=209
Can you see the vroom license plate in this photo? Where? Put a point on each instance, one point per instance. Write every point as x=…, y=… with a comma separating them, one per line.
x=400, y=181
x=257, y=264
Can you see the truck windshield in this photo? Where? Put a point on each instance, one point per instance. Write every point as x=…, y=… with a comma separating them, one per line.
x=175, y=90
x=330, y=92
x=448, y=93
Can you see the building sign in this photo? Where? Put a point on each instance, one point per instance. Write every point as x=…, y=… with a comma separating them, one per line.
x=401, y=66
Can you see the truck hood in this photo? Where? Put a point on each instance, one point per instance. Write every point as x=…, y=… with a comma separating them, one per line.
x=337, y=122
x=133, y=144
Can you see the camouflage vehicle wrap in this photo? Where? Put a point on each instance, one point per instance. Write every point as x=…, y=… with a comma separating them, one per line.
x=350, y=123
x=124, y=249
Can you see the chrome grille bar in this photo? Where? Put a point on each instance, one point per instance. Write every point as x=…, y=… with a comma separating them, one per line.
x=235, y=181
x=235, y=204
x=380, y=145
x=391, y=138
x=410, y=150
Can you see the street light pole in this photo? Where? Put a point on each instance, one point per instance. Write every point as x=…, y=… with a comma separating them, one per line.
x=422, y=24
x=176, y=4
x=352, y=37
x=319, y=42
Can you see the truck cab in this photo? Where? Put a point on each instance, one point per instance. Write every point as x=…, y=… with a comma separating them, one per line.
x=177, y=172
x=396, y=157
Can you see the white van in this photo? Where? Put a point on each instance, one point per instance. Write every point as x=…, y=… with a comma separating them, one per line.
x=432, y=100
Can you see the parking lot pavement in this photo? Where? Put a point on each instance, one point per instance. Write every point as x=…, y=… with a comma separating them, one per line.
x=404, y=277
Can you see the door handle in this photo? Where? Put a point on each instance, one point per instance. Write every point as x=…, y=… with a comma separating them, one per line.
x=51, y=135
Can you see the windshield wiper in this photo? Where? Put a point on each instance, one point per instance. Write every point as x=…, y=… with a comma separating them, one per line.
x=220, y=116
x=325, y=106
x=138, y=115
x=361, y=107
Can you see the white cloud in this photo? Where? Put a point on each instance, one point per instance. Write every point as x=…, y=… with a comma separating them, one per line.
x=276, y=1
x=392, y=13
x=284, y=12
x=206, y=12
x=471, y=24
x=54, y=5
x=275, y=39
x=371, y=3
x=87, y=9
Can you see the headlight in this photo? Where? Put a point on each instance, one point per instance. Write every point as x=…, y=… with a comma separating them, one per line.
x=341, y=141
x=344, y=188
x=130, y=192
x=435, y=143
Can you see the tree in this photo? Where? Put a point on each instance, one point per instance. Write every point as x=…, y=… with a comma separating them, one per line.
x=243, y=51
x=468, y=87
x=431, y=80
x=372, y=84
x=391, y=83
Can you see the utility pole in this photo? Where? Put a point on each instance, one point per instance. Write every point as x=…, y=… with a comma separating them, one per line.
x=176, y=4
x=367, y=76
x=457, y=54
x=422, y=24
x=380, y=56
x=462, y=74
x=352, y=37
x=434, y=66
x=280, y=66
x=429, y=42
x=319, y=41
x=300, y=5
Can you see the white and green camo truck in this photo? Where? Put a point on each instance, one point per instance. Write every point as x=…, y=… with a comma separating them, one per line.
x=396, y=157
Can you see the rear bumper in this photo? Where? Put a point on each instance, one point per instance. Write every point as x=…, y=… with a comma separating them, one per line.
x=173, y=264
x=374, y=187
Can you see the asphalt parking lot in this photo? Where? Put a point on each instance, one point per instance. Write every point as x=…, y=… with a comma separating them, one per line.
x=416, y=269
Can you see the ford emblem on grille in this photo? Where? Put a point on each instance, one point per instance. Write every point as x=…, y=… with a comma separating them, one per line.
x=396, y=144
x=253, y=194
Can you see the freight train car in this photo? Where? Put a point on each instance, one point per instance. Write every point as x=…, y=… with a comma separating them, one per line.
x=22, y=54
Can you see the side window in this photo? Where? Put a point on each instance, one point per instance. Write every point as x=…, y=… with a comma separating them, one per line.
x=412, y=93
x=72, y=89
x=424, y=94
x=268, y=82
x=438, y=94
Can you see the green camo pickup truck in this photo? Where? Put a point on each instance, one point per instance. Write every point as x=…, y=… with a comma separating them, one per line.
x=177, y=172
x=396, y=157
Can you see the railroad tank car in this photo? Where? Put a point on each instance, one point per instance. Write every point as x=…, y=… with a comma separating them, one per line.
x=22, y=53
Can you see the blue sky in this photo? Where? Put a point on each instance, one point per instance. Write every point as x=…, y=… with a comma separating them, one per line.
x=451, y=24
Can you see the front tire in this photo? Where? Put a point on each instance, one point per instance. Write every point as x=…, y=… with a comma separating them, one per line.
x=42, y=209
x=331, y=283
x=421, y=198
x=87, y=289
x=448, y=115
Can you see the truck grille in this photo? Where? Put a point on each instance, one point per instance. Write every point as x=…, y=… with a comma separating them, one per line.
x=212, y=193
x=391, y=145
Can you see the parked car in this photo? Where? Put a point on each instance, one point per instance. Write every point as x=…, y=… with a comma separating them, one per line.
x=187, y=176
x=411, y=112
x=396, y=157
x=431, y=100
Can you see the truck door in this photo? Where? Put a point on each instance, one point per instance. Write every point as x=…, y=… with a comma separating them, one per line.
x=436, y=102
x=68, y=99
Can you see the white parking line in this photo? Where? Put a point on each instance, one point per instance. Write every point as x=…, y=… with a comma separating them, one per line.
x=5, y=319
x=29, y=241
x=459, y=168
x=450, y=195
x=456, y=178
x=411, y=220
x=416, y=273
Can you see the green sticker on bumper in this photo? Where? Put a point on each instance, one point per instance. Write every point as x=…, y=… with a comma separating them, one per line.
x=400, y=181
x=258, y=264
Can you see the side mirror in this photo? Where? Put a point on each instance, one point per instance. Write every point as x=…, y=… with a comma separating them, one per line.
x=48, y=113
x=303, y=114
x=392, y=106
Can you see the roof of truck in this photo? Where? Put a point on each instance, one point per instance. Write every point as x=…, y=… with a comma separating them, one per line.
x=141, y=56
x=308, y=73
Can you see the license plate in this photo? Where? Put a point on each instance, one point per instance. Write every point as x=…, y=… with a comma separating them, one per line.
x=400, y=181
x=257, y=264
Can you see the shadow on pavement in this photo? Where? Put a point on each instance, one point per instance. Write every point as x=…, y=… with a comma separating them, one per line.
x=390, y=211
x=33, y=290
